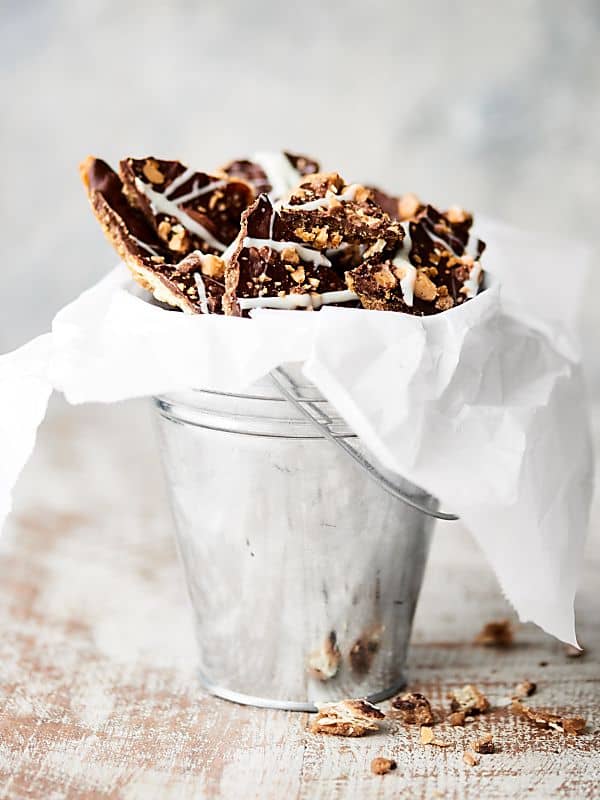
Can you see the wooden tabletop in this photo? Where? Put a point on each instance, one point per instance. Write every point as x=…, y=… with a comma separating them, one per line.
x=98, y=695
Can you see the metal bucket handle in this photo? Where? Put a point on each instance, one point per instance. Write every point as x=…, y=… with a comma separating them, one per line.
x=322, y=421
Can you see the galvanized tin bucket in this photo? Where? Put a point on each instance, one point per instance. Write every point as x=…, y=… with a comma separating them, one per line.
x=303, y=573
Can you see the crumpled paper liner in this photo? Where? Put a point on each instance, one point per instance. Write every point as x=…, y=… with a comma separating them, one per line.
x=483, y=405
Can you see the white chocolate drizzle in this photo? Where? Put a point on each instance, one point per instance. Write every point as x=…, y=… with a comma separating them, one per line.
x=198, y=192
x=306, y=253
x=291, y=301
x=407, y=283
x=162, y=205
x=201, y=293
x=179, y=181
x=146, y=247
x=471, y=285
x=280, y=172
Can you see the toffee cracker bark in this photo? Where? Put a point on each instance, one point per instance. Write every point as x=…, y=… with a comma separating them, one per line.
x=158, y=249
x=272, y=174
x=269, y=269
x=437, y=268
x=286, y=252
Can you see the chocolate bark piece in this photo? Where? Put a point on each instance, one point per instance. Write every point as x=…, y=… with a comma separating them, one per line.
x=325, y=213
x=255, y=172
x=414, y=708
x=268, y=269
x=170, y=277
x=347, y=718
x=437, y=268
x=189, y=210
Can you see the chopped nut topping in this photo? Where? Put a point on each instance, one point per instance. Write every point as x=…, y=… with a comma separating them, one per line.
x=484, y=745
x=152, y=172
x=444, y=303
x=543, y=719
x=457, y=718
x=468, y=699
x=164, y=229
x=525, y=689
x=347, y=718
x=497, y=633
x=384, y=277
x=424, y=289
x=290, y=256
x=324, y=663
x=178, y=241
x=408, y=205
x=298, y=275
x=382, y=765
x=470, y=758
x=457, y=215
x=414, y=709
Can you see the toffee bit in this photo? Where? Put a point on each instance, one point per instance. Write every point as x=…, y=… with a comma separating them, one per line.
x=470, y=758
x=382, y=765
x=457, y=718
x=484, y=745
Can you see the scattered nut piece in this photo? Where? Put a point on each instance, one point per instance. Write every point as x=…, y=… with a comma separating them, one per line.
x=347, y=718
x=543, y=719
x=382, y=765
x=525, y=689
x=414, y=708
x=484, y=745
x=323, y=664
x=456, y=718
x=470, y=758
x=426, y=734
x=498, y=633
x=427, y=737
x=468, y=699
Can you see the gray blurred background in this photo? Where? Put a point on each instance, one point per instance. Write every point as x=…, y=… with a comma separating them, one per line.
x=494, y=106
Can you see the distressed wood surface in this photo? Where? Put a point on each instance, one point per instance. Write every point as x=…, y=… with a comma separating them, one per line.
x=98, y=697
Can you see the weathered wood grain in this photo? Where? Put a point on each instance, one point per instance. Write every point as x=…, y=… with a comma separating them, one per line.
x=98, y=697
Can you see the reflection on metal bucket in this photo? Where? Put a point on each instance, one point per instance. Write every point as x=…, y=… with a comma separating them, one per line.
x=303, y=573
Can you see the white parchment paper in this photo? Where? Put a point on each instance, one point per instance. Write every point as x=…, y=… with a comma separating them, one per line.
x=483, y=405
